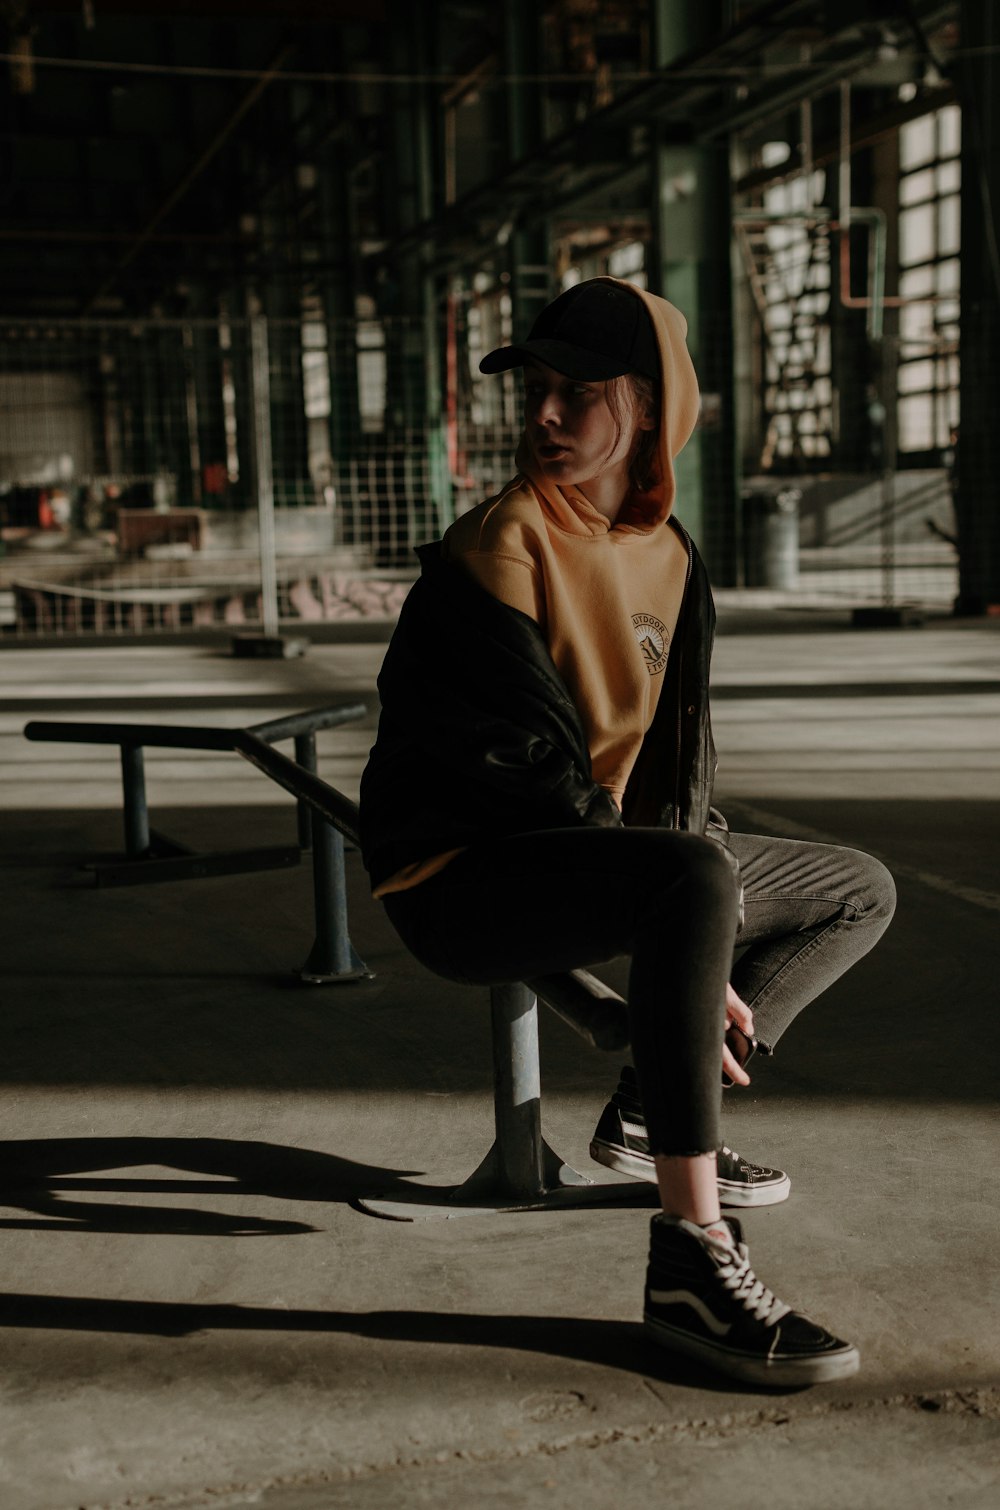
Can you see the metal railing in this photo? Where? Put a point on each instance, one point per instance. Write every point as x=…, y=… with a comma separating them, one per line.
x=151, y=856
x=520, y=1171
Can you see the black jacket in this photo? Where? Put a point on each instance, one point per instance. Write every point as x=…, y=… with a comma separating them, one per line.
x=479, y=737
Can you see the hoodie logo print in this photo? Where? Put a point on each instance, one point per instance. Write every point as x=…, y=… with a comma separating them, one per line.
x=652, y=638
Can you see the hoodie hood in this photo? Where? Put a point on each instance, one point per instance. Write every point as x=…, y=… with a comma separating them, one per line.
x=679, y=405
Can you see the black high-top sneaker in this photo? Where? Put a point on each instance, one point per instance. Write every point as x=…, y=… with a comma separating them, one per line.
x=621, y=1142
x=704, y=1300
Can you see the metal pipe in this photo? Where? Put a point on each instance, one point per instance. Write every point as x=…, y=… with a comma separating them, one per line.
x=303, y=723
x=323, y=798
x=260, y=378
x=844, y=164
x=779, y=100
x=331, y=957
x=875, y=301
x=190, y=736
x=175, y=737
x=134, y=809
x=806, y=146
x=305, y=756
x=331, y=804
x=517, y=1089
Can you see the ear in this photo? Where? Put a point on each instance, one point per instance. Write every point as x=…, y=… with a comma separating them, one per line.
x=645, y=421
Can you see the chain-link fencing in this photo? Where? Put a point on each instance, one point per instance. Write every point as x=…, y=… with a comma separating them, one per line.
x=136, y=457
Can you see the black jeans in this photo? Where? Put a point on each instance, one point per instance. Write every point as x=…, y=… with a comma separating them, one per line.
x=566, y=898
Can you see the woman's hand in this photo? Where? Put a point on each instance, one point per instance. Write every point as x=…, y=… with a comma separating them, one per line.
x=739, y=1013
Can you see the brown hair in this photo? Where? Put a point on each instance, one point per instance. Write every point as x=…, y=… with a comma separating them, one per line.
x=644, y=393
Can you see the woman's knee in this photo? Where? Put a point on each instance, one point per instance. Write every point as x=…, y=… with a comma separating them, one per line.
x=873, y=890
x=710, y=876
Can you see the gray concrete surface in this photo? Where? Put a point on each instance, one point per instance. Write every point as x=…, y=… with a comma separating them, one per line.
x=194, y=1313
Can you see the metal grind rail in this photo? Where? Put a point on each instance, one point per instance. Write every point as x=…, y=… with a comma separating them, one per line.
x=521, y=1172
x=152, y=857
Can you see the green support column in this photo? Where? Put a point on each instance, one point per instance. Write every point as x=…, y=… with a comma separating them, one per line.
x=530, y=252
x=439, y=508
x=977, y=510
x=408, y=199
x=281, y=297
x=856, y=356
x=340, y=238
x=689, y=264
x=415, y=322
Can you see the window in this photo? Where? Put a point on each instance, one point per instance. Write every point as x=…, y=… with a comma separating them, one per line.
x=788, y=261
x=929, y=244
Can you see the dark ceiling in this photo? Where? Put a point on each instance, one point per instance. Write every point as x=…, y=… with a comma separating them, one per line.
x=161, y=155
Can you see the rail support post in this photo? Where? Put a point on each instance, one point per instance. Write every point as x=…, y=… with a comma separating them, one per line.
x=134, y=809
x=520, y=1172
x=332, y=957
x=305, y=756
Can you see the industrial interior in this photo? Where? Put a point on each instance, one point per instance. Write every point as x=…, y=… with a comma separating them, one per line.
x=251, y=254
x=289, y=1220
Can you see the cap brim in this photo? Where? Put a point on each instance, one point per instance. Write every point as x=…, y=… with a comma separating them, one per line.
x=571, y=361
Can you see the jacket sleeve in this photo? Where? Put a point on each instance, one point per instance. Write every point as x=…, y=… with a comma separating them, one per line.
x=478, y=735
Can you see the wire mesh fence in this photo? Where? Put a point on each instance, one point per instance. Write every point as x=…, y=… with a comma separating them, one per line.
x=132, y=469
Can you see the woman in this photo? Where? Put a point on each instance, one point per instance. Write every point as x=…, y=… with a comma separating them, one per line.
x=538, y=800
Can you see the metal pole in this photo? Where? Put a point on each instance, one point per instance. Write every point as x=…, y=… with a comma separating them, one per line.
x=517, y=1089
x=978, y=454
x=520, y=1172
x=134, y=809
x=844, y=164
x=886, y=359
x=264, y=472
x=305, y=756
x=331, y=958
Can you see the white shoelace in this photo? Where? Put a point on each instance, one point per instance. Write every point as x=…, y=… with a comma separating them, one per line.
x=751, y=1292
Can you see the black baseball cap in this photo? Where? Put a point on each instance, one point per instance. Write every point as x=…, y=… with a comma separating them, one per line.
x=593, y=331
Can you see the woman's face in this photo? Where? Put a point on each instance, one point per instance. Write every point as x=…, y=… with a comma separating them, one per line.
x=571, y=429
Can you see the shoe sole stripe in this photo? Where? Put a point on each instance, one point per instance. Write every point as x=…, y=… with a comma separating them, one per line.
x=750, y=1367
x=641, y=1167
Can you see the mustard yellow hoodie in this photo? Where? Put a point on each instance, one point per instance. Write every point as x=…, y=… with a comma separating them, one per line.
x=607, y=596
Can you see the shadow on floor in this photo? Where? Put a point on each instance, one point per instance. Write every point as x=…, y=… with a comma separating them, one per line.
x=611, y=1344
x=145, y=986
x=42, y=1175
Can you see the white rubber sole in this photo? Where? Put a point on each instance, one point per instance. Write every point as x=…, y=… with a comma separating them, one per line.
x=641, y=1167
x=750, y=1368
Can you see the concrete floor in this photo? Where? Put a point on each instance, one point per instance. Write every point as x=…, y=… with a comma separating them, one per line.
x=195, y=1313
